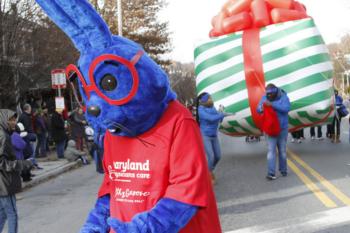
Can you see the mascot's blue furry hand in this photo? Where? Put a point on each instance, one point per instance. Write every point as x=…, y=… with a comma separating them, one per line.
x=97, y=219
x=168, y=216
x=120, y=227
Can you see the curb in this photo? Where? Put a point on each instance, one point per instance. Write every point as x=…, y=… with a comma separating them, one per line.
x=51, y=174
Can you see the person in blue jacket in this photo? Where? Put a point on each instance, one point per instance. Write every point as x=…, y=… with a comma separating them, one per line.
x=208, y=119
x=278, y=99
x=335, y=129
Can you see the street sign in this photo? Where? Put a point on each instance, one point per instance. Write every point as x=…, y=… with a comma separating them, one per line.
x=58, y=78
x=59, y=102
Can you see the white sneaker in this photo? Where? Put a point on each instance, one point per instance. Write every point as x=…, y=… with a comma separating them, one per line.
x=293, y=140
x=312, y=138
x=299, y=141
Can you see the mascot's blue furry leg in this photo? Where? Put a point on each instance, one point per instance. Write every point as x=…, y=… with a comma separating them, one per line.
x=168, y=216
x=97, y=219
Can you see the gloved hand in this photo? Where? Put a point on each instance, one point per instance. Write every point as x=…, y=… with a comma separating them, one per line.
x=221, y=108
x=168, y=216
x=268, y=103
x=122, y=227
x=97, y=219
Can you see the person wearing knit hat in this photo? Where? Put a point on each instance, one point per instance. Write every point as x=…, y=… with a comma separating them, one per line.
x=10, y=179
x=277, y=100
x=22, y=148
x=21, y=130
x=208, y=119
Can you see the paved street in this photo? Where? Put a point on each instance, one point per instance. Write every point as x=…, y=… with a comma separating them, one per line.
x=59, y=205
x=318, y=182
x=312, y=198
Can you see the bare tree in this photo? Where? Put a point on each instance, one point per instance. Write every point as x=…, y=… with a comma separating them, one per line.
x=16, y=53
x=183, y=81
x=338, y=52
x=141, y=24
x=53, y=50
x=30, y=47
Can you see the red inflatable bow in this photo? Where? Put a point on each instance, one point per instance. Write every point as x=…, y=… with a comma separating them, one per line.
x=237, y=15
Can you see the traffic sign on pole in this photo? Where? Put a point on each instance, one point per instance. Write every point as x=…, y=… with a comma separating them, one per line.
x=59, y=103
x=58, y=78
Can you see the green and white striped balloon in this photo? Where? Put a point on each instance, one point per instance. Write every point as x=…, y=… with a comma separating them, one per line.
x=295, y=58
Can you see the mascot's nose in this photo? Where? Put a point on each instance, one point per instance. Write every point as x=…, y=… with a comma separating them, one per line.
x=94, y=111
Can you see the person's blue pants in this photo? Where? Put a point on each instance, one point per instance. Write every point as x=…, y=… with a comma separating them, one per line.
x=41, y=145
x=60, y=149
x=281, y=143
x=212, y=150
x=33, y=145
x=8, y=211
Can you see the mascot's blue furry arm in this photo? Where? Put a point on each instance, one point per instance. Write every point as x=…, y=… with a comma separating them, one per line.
x=168, y=216
x=117, y=104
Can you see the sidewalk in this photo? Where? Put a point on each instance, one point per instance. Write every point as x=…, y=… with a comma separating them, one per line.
x=52, y=167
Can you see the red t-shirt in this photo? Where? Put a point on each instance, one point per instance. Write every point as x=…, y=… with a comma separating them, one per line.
x=138, y=174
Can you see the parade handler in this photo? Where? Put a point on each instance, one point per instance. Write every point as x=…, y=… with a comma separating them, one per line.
x=156, y=178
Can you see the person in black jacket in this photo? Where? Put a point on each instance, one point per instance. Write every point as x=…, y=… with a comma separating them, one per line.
x=10, y=168
x=27, y=120
x=58, y=133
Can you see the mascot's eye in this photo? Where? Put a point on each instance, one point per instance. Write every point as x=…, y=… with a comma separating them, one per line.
x=108, y=82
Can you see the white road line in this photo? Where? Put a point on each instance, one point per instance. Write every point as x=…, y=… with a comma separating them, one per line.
x=311, y=223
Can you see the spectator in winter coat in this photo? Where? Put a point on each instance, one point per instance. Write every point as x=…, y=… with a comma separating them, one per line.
x=27, y=120
x=279, y=101
x=58, y=133
x=78, y=124
x=10, y=180
x=72, y=154
x=41, y=132
x=47, y=119
x=20, y=144
x=208, y=119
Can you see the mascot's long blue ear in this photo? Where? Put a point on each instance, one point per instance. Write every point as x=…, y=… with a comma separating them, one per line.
x=79, y=20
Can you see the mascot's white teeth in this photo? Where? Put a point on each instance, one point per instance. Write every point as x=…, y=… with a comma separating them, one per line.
x=112, y=130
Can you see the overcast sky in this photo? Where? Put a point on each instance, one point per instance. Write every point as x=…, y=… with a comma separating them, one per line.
x=190, y=21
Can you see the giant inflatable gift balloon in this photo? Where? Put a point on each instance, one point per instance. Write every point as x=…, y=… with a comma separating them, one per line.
x=256, y=42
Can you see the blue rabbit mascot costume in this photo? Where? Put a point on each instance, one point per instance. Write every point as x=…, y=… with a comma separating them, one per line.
x=156, y=176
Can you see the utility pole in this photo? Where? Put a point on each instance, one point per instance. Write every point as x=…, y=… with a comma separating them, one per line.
x=120, y=18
